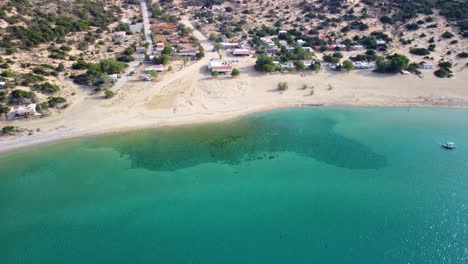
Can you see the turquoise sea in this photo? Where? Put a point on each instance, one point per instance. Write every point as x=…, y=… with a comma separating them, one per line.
x=321, y=185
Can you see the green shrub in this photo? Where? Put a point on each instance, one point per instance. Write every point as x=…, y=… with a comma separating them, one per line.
x=46, y=87
x=264, y=63
x=442, y=73
x=235, y=72
x=420, y=51
x=4, y=109
x=463, y=55
x=31, y=78
x=348, y=65
x=447, y=35
x=282, y=86
x=108, y=94
x=54, y=101
x=8, y=73
x=8, y=130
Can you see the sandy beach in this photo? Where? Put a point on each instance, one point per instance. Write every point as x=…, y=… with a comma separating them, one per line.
x=191, y=96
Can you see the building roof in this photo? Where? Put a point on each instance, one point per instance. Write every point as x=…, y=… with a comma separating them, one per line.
x=157, y=67
x=219, y=65
x=120, y=34
x=241, y=52
x=27, y=109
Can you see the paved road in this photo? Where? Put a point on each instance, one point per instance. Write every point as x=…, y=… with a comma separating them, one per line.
x=134, y=64
x=146, y=26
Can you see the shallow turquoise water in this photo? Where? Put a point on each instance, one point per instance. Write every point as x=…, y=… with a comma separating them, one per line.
x=328, y=185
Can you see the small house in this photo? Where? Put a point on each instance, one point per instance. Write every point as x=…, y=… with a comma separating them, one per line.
x=308, y=49
x=286, y=66
x=358, y=47
x=221, y=66
x=301, y=42
x=156, y=68
x=2, y=85
x=360, y=65
x=381, y=42
x=120, y=35
x=241, y=52
x=307, y=63
x=189, y=52
x=113, y=77
x=27, y=110
x=272, y=50
x=140, y=50
x=159, y=46
x=229, y=45
x=426, y=66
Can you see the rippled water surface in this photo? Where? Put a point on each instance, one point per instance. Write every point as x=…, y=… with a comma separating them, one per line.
x=328, y=185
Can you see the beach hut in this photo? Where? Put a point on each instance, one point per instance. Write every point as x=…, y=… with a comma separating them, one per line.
x=220, y=66
x=27, y=110
x=241, y=52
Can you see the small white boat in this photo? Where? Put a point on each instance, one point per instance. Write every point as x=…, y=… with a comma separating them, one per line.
x=449, y=145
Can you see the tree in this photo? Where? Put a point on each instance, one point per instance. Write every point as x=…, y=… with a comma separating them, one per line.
x=167, y=50
x=235, y=72
x=108, y=94
x=163, y=59
x=213, y=36
x=348, y=65
x=299, y=65
x=264, y=63
x=201, y=52
x=392, y=64
x=215, y=74
x=316, y=66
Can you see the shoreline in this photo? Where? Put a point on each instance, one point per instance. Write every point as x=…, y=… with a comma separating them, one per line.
x=13, y=143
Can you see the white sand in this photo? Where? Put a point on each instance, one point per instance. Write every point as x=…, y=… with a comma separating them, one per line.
x=193, y=96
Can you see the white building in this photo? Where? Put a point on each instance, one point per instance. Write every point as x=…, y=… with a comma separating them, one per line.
x=140, y=50
x=2, y=84
x=360, y=65
x=27, y=110
x=358, y=47
x=157, y=68
x=120, y=35
x=113, y=77
x=301, y=42
x=426, y=66
x=381, y=42
x=221, y=66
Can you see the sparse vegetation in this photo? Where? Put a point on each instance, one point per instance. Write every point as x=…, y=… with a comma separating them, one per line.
x=282, y=86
